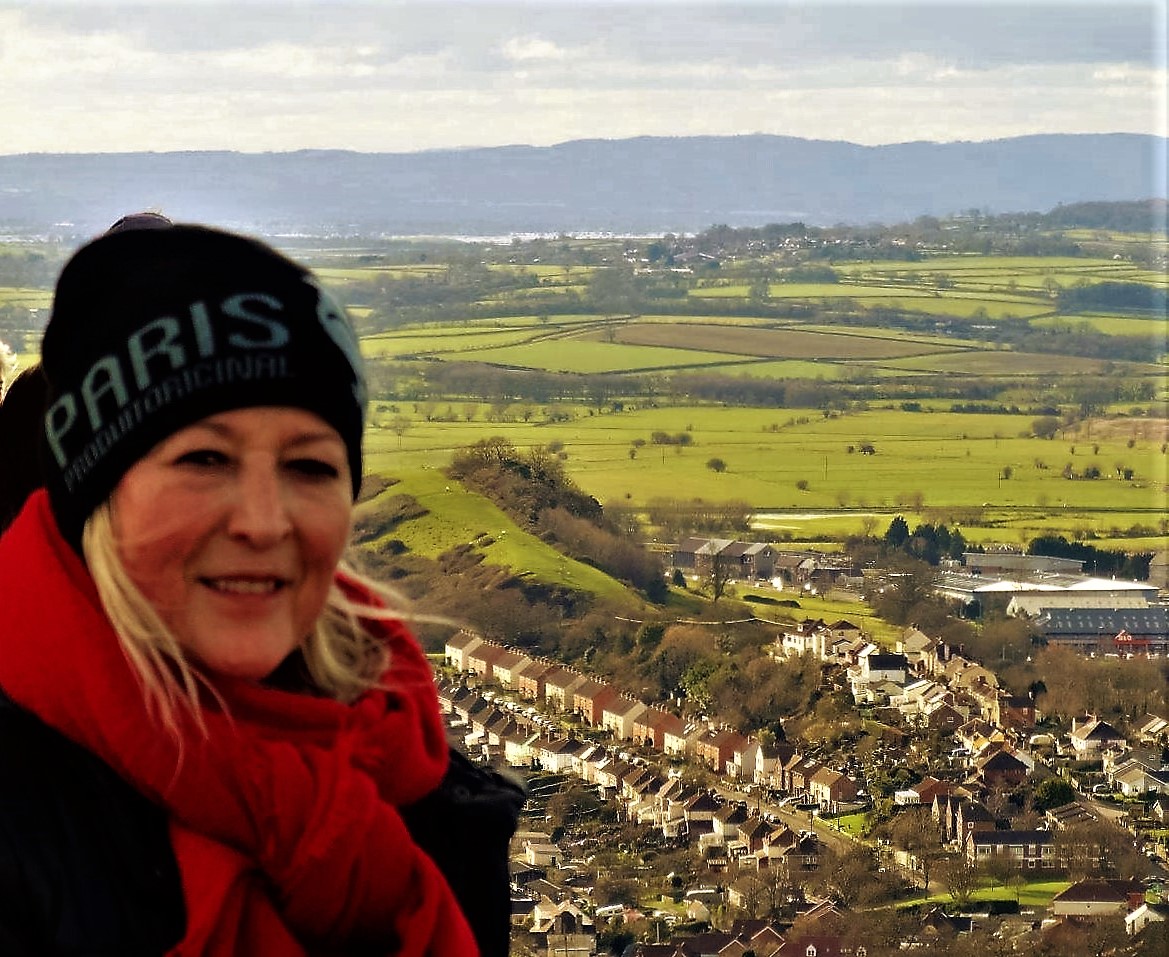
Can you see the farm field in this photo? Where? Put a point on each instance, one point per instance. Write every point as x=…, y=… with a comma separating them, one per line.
x=976, y=269
x=748, y=348
x=701, y=320
x=989, y=527
x=26, y=297
x=343, y=275
x=546, y=272
x=913, y=298
x=975, y=307
x=792, y=369
x=790, y=343
x=584, y=356
x=1109, y=325
x=987, y=363
x=876, y=332
x=632, y=346
x=447, y=342
x=1020, y=279
x=951, y=459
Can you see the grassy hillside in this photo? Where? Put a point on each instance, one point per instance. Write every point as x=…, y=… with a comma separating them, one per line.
x=454, y=517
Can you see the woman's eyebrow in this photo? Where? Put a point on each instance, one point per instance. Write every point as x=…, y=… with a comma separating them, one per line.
x=224, y=430
x=218, y=428
x=308, y=438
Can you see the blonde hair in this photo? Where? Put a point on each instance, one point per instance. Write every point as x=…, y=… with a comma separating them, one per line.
x=342, y=656
x=8, y=367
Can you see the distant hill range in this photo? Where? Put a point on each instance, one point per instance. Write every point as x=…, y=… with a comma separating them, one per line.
x=646, y=186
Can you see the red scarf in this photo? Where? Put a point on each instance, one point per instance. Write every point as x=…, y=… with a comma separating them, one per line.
x=283, y=819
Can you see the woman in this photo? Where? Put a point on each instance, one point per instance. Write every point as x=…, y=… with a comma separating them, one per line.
x=215, y=723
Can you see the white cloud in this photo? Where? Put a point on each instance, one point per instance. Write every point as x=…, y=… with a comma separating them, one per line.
x=406, y=76
x=522, y=49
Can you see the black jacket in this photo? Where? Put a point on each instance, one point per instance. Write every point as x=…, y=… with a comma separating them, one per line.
x=87, y=869
x=86, y=866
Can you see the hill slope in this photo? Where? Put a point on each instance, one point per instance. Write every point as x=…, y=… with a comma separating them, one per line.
x=646, y=185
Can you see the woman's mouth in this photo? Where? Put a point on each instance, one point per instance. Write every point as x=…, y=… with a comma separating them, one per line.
x=245, y=586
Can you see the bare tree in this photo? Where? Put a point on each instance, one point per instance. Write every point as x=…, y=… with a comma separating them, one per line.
x=721, y=573
x=916, y=832
x=960, y=878
x=848, y=874
x=1100, y=849
x=998, y=869
x=400, y=425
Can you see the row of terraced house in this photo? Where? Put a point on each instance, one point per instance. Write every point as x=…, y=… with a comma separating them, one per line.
x=723, y=831
x=727, y=752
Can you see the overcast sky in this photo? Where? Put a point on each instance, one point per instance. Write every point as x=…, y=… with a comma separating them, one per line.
x=94, y=76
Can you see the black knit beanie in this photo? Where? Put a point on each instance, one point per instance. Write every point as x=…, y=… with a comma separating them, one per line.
x=154, y=329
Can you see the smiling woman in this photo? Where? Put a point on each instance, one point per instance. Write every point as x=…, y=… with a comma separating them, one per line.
x=232, y=529
x=202, y=704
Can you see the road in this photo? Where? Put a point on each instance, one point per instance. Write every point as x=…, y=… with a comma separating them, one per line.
x=796, y=820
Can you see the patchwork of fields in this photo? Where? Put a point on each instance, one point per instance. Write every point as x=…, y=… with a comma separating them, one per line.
x=903, y=391
x=800, y=466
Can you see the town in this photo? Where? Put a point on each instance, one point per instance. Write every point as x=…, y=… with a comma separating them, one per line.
x=657, y=832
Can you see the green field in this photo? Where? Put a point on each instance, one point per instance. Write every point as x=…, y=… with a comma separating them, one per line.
x=1110, y=325
x=343, y=275
x=547, y=272
x=935, y=464
x=788, y=343
x=1034, y=895
x=989, y=363
x=789, y=369
x=584, y=356
x=28, y=298
x=973, y=268
x=703, y=320
x=987, y=527
x=447, y=343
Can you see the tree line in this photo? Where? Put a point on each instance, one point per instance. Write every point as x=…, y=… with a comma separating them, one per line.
x=1107, y=563
x=1114, y=297
x=482, y=382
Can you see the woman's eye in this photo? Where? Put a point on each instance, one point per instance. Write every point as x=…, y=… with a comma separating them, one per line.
x=202, y=457
x=314, y=468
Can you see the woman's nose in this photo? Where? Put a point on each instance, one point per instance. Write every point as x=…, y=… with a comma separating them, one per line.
x=259, y=511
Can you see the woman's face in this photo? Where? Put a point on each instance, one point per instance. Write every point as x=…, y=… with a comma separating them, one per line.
x=232, y=529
